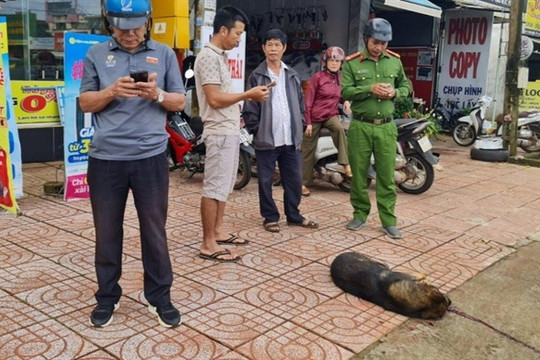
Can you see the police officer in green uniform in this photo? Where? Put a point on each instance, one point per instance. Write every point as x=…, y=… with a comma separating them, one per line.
x=372, y=80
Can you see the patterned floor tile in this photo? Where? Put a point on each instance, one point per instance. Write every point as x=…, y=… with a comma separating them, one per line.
x=73, y=223
x=46, y=340
x=30, y=232
x=186, y=295
x=60, y=298
x=472, y=252
x=308, y=248
x=386, y=252
x=15, y=314
x=292, y=342
x=130, y=319
x=315, y=277
x=98, y=355
x=61, y=243
x=229, y=278
x=185, y=234
x=440, y=272
x=441, y=235
x=232, y=322
x=11, y=255
x=8, y=220
x=341, y=237
x=33, y=275
x=281, y=298
x=44, y=213
x=274, y=261
x=345, y=325
x=180, y=343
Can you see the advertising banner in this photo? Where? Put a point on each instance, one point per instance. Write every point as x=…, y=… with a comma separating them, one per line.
x=78, y=126
x=532, y=18
x=7, y=140
x=35, y=101
x=530, y=97
x=465, y=58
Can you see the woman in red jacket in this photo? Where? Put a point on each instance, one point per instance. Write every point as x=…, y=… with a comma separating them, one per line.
x=322, y=100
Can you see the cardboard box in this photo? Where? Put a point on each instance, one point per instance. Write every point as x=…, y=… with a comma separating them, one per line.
x=173, y=31
x=169, y=8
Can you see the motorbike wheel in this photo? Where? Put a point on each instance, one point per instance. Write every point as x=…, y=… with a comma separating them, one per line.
x=244, y=171
x=424, y=177
x=464, y=134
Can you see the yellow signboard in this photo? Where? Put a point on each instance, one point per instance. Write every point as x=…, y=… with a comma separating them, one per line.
x=35, y=101
x=532, y=18
x=530, y=98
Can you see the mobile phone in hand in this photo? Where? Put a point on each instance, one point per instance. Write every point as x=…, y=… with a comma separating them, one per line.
x=141, y=76
x=271, y=84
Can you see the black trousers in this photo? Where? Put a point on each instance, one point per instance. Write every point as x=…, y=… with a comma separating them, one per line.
x=289, y=161
x=110, y=182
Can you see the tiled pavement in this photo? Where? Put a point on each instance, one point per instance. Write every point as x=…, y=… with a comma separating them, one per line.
x=279, y=301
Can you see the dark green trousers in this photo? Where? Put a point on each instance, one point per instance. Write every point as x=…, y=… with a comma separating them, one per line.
x=364, y=139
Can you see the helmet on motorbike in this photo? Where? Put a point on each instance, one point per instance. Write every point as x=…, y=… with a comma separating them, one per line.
x=127, y=14
x=379, y=29
x=333, y=52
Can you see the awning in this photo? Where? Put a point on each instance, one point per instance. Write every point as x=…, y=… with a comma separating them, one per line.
x=423, y=7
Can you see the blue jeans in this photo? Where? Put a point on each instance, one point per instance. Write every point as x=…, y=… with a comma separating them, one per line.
x=289, y=161
x=110, y=182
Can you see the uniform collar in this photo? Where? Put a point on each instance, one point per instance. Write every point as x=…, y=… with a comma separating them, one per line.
x=364, y=55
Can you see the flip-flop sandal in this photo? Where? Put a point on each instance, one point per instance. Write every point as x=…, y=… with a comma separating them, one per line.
x=310, y=224
x=272, y=227
x=218, y=256
x=233, y=240
x=305, y=191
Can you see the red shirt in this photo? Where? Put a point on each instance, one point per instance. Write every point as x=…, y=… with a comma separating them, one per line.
x=323, y=96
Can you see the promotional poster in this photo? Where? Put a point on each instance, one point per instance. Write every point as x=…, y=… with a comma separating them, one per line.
x=10, y=148
x=78, y=126
x=465, y=57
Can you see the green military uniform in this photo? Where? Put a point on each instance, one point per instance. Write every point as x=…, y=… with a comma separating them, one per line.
x=371, y=131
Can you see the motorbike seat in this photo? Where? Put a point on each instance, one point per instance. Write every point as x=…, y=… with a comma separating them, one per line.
x=400, y=123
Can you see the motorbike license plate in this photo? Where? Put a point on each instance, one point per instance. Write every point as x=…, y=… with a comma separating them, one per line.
x=424, y=143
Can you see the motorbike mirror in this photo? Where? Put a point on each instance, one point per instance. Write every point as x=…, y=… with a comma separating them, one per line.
x=189, y=73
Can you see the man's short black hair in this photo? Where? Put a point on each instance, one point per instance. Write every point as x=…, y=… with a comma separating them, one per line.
x=275, y=34
x=227, y=16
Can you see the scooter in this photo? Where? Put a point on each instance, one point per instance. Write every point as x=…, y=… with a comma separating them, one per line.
x=186, y=148
x=470, y=127
x=415, y=161
x=414, y=172
x=326, y=166
x=528, y=134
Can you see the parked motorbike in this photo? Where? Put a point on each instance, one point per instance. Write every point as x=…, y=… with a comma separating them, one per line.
x=187, y=150
x=528, y=133
x=414, y=172
x=326, y=167
x=415, y=162
x=470, y=127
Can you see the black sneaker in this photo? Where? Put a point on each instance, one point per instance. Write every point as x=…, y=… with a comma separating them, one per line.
x=168, y=315
x=103, y=315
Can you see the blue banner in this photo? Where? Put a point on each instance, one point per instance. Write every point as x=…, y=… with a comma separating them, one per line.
x=78, y=126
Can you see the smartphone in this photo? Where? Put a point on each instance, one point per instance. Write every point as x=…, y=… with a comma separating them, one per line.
x=141, y=76
x=271, y=84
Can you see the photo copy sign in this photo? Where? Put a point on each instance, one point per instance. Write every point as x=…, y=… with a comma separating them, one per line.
x=465, y=58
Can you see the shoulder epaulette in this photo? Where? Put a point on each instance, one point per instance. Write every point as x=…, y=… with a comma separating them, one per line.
x=390, y=52
x=354, y=56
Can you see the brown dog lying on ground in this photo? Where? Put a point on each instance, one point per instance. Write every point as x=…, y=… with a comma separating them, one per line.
x=373, y=281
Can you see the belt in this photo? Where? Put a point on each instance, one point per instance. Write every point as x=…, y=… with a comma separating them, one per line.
x=374, y=121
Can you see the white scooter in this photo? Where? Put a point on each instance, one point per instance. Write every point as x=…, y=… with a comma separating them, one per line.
x=326, y=166
x=470, y=127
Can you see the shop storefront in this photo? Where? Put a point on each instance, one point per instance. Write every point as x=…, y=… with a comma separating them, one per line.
x=35, y=32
